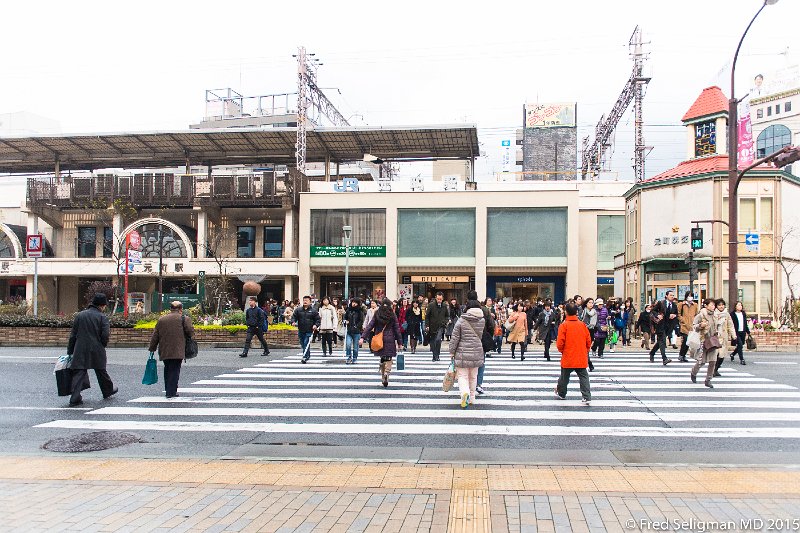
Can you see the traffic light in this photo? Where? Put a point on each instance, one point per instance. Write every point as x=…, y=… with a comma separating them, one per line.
x=697, y=238
x=787, y=158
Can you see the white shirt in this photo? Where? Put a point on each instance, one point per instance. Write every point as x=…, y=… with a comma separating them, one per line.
x=740, y=319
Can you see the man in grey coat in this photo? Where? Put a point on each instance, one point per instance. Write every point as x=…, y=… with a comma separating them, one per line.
x=87, y=346
x=169, y=337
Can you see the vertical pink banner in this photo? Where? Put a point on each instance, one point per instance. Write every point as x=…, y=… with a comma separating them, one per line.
x=746, y=153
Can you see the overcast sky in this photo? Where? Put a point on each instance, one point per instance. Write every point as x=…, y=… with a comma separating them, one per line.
x=113, y=66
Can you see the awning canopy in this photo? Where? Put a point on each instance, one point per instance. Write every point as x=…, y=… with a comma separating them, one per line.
x=234, y=146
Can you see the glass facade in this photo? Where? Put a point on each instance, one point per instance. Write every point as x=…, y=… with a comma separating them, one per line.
x=273, y=241
x=369, y=227
x=527, y=232
x=157, y=238
x=436, y=232
x=108, y=242
x=246, y=241
x=610, y=239
x=772, y=139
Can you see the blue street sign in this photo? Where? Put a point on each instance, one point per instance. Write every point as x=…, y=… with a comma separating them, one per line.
x=505, y=143
x=751, y=239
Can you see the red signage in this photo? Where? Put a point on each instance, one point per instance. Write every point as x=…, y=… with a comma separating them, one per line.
x=34, y=245
x=134, y=240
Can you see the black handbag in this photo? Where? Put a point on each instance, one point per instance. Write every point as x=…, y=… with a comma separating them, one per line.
x=190, y=350
x=751, y=343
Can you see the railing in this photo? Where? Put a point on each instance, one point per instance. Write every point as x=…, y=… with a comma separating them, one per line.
x=268, y=189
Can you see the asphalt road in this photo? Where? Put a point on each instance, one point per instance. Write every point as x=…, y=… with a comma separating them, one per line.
x=231, y=407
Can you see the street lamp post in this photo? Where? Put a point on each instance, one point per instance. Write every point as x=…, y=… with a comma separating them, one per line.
x=348, y=230
x=733, y=173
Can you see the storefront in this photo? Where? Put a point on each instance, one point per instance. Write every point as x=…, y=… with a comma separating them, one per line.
x=670, y=275
x=12, y=290
x=605, y=288
x=455, y=286
x=372, y=287
x=507, y=288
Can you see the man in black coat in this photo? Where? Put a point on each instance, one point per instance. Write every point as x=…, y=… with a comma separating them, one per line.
x=307, y=320
x=664, y=318
x=254, y=317
x=87, y=346
x=436, y=318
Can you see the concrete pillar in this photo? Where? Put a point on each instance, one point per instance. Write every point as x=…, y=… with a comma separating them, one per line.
x=288, y=234
x=303, y=253
x=202, y=233
x=117, y=227
x=573, y=248
x=391, y=252
x=33, y=224
x=481, y=223
x=288, y=288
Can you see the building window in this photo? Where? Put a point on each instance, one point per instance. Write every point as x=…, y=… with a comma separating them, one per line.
x=766, y=306
x=787, y=106
x=777, y=108
x=159, y=240
x=108, y=242
x=436, y=233
x=246, y=241
x=87, y=240
x=773, y=139
x=765, y=215
x=769, y=111
x=759, y=113
x=610, y=239
x=705, y=139
x=369, y=227
x=527, y=232
x=747, y=214
x=273, y=241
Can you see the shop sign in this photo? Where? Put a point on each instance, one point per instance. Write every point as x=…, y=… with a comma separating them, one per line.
x=605, y=281
x=355, y=251
x=440, y=279
x=675, y=239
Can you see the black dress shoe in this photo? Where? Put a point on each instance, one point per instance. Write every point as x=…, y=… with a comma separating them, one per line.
x=113, y=392
x=683, y=360
x=742, y=362
x=242, y=355
x=173, y=395
x=693, y=378
x=666, y=362
x=717, y=375
x=76, y=404
x=264, y=354
x=708, y=384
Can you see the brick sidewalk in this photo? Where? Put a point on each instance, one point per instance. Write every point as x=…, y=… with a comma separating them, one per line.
x=61, y=493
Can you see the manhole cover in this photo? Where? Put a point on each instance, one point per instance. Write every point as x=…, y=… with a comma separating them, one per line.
x=91, y=442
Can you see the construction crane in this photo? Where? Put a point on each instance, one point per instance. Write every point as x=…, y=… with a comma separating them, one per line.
x=593, y=154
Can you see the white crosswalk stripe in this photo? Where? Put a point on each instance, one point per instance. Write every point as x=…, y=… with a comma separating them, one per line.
x=632, y=398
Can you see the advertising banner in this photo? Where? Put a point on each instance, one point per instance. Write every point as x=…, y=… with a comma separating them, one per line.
x=744, y=148
x=550, y=115
x=355, y=251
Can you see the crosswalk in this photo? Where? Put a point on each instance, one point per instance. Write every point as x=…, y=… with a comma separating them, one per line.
x=633, y=399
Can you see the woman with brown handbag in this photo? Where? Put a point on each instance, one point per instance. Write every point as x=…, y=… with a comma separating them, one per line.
x=386, y=337
x=705, y=323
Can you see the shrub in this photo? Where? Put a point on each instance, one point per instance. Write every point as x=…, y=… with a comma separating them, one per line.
x=53, y=321
x=233, y=318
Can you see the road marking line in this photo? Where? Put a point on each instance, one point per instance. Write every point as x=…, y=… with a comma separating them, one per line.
x=15, y=408
x=494, y=378
x=428, y=429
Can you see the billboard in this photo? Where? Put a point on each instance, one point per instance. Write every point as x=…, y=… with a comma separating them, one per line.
x=554, y=115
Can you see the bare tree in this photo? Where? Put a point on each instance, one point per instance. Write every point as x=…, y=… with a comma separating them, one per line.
x=218, y=289
x=788, y=265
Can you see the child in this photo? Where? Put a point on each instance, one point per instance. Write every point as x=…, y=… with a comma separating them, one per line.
x=574, y=343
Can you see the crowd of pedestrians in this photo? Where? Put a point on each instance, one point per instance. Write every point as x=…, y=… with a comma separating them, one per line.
x=581, y=329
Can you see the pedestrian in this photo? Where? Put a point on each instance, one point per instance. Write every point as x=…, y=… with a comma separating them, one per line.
x=307, y=321
x=288, y=312
x=499, y=319
x=645, y=326
x=631, y=319
x=546, y=326
x=687, y=310
x=87, y=346
x=354, y=322
x=337, y=306
x=169, y=337
x=466, y=350
x=705, y=323
x=385, y=322
x=328, y=325
x=371, y=308
x=487, y=335
x=455, y=312
x=588, y=315
x=414, y=325
x=574, y=343
x=601, y=332
x=436, y=319
x=254, y=317
x=663, y=318
x=616, y=322
x=726, y=332
x=519, y=330
x=402, y=318
x=739, y=317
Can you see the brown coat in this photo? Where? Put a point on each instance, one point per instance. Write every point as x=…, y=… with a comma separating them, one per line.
x=519, y=331
x=169, y=338
x=686, y=314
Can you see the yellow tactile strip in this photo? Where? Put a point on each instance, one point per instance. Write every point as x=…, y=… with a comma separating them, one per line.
x=469, y=511
x=404, y=476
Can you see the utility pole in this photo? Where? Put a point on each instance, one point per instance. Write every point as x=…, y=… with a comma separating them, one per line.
x=638, y=103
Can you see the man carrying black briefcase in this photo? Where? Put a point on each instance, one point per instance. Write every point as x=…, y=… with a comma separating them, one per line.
x=87, y=346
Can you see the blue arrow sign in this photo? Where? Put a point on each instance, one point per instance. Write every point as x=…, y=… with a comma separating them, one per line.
x=505, y=143
x=751, y=239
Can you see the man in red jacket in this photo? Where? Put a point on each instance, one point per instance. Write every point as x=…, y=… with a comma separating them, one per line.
x=574, y=343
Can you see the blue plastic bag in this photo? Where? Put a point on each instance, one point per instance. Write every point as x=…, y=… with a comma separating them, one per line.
x=150, y=371
x=401, y=361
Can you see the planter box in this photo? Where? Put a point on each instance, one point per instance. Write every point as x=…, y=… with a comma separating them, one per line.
x=129, y=337
x=777, y=341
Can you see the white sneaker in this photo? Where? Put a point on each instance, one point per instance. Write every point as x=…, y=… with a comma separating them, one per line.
x=479, y=390
x=612, y=349
x=586, y=402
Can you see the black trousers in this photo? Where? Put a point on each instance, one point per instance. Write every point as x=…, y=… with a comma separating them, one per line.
x=599, y=344
x=684, y=345
x=254, y=330
x=172, y=373
x=80, y=376
x=436, y=342
x=327, y=341
x=740, y=337
x=548, y=339
x=661, y=343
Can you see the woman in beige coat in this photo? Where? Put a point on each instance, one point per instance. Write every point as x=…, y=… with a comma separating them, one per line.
x=726, y=331
x=706, y=324
x=519, y=330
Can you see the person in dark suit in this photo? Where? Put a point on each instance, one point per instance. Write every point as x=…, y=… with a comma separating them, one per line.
x=254, y=317
x=664, y=318
x=87, y=346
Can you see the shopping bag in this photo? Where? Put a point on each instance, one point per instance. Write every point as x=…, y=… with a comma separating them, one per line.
x=401, y=361
x=449, y=377
x=751, y=343
x=694, y=342
x=150, y=371
x=64, y=381
x=613, y=337
x=62, y=363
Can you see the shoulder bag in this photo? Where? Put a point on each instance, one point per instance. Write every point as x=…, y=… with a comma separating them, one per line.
x=751, y=342
x=190, y=348
x=376, y=344
x=711, y=343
